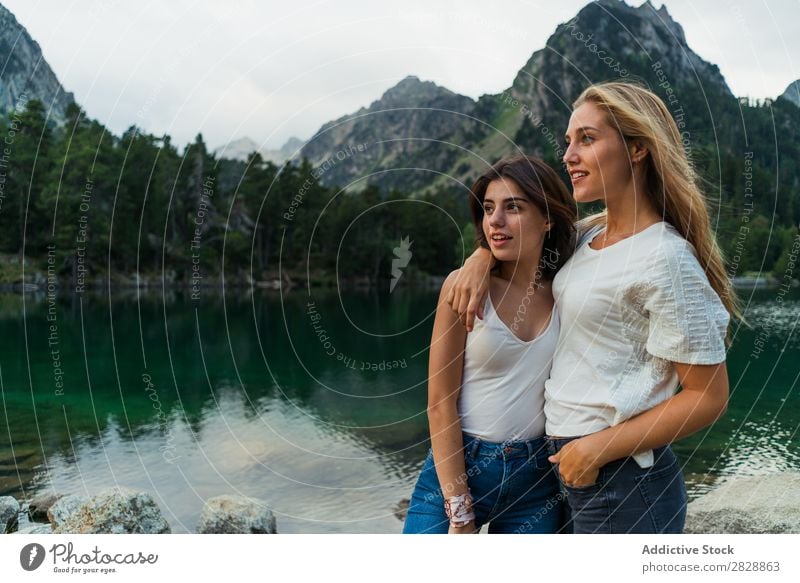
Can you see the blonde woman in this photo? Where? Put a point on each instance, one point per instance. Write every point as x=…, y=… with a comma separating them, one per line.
x=645, y=305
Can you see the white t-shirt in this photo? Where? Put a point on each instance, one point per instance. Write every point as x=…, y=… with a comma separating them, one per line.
x=628, y=312
x=502, y=387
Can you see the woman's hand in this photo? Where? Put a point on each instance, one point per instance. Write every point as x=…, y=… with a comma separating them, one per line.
x=578, y=462
x=468, y=528
x=468, y=294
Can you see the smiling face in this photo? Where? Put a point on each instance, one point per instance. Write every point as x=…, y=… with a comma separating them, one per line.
x=513, y=225
x=597, y=158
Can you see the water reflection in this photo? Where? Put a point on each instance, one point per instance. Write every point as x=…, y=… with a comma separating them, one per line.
x=244, y=394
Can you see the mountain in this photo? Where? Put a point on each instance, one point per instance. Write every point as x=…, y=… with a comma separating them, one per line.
x=402, y=129
x=792, y=93
x=242, y=148
x=611, y=40
x=419, y=136
x=24, y=74
x=418, y=139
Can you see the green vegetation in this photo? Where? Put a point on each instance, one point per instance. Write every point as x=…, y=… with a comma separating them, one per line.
x=107, y=207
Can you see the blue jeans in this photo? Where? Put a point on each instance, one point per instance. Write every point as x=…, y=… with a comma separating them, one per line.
x=628, y=499
x=513, y=486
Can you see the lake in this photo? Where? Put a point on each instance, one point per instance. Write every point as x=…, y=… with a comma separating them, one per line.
x=314, y=403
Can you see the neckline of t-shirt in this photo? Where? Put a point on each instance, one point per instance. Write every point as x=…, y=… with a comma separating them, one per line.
x=507, y=329
x=592, y=236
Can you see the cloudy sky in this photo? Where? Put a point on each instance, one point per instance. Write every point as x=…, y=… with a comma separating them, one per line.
x=274, y=69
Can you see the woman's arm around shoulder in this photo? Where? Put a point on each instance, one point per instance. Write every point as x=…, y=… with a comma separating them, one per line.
x=470, y=284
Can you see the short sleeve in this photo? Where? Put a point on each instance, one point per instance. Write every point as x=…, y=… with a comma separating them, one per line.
x=687, y=320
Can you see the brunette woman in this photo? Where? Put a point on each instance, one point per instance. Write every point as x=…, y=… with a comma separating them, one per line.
x=488, y=460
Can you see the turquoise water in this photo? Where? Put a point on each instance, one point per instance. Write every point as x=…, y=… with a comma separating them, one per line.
x=315, y=404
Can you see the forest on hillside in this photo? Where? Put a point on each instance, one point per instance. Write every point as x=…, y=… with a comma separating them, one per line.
x=89, y=207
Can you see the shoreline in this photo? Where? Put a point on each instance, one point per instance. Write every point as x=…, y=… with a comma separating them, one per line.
x=37, y=284
x=765, y=504
x=287, y=281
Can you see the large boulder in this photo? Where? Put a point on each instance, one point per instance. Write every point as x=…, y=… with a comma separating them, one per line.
x=63, y=508
x=40, y=504
x=753, y=505
x=9, y=513
x=116, y=511
x=229, y=514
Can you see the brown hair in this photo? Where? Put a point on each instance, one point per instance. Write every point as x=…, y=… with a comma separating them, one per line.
x=639, y=114
x=543, y=187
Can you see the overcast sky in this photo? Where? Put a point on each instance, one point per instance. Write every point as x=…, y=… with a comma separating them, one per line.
x=274, y=69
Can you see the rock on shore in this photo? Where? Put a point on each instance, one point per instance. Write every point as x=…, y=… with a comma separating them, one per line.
x=40, y=504
x=236, y=515
x=122, y=510
x=115, y=511
x=9, y=510
x=63, y=508
x=753, y=505
x=746, y=505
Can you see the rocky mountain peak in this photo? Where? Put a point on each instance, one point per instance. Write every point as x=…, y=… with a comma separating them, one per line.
x=605, y=40
x=412, y=92
x=792, y=93
x=609, y=39
x=241, y=148
x=24, y=74
x=646, y=11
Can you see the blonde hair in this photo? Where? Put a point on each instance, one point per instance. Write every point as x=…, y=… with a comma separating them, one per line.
x=671, y=182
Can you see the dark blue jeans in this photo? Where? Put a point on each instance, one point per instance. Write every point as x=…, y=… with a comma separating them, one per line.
x=513, y=486
x=627, y=498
